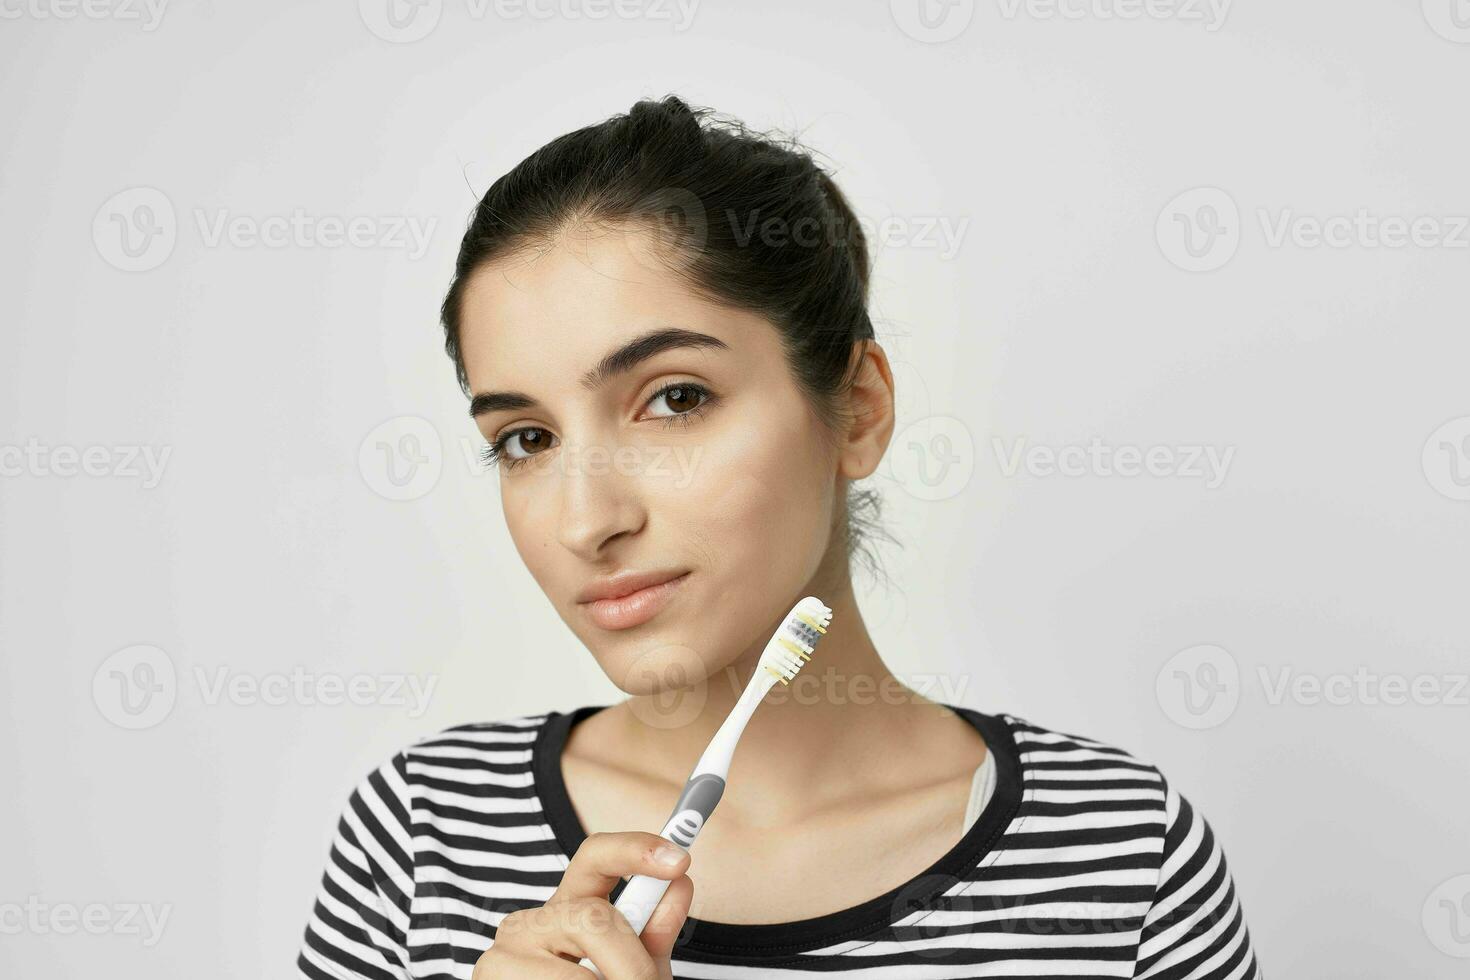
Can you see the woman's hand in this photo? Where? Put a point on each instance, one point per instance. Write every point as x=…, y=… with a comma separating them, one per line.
x=546, y=943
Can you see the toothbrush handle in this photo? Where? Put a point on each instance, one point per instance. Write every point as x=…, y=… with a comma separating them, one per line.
x=640, y=898
x=637, y=901
x=642, y=894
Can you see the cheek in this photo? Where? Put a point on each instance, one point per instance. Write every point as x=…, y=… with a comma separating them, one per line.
x=530, y=521
x=757, y=497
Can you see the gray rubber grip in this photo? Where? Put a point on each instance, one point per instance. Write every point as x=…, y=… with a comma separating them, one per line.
x=695, y=805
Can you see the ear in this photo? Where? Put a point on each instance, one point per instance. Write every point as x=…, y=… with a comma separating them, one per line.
x=870, y=408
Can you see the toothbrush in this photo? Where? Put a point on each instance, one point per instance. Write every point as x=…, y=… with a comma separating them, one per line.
x=788, y=650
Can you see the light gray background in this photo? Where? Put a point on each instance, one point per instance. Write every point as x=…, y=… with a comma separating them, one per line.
x=1054, y=148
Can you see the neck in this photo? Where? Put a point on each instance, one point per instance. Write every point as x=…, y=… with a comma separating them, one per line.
x=844, y=713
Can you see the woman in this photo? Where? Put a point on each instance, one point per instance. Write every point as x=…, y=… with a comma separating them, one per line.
x=661, y=323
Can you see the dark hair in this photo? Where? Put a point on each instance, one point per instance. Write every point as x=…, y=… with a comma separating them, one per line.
x=747, y=219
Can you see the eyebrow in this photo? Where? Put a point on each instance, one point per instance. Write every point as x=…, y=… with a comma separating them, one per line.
x=617, y=362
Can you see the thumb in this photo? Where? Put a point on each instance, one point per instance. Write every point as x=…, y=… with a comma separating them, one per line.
x=667, y=922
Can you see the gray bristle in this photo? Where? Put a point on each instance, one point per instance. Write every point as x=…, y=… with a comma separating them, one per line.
x=803, y=632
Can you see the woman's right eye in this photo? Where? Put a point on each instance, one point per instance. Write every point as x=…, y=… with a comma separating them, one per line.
x=506, y=449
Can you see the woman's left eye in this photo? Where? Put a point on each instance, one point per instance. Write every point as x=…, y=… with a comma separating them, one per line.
x=683, y=398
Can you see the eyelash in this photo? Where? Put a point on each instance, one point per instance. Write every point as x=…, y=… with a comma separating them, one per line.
x=494, y=453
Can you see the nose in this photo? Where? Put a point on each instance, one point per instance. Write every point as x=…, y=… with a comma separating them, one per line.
x=598, y=503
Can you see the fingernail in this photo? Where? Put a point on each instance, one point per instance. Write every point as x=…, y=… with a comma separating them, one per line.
x=668, y=854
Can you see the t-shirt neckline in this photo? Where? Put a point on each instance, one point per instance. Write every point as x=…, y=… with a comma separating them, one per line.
x=714, y=939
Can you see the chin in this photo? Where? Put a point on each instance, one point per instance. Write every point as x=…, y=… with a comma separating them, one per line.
x=652, y=665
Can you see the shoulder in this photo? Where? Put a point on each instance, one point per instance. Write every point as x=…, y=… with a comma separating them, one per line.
x=1194, y=923
x=1053, y=748
x=474, y=738
x=452, y=758
x=1098, y=784
x=1065, y=766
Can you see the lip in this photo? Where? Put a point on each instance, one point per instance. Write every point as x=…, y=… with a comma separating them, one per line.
x=623, y=603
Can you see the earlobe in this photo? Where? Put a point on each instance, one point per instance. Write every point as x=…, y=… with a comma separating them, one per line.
x=870, y=408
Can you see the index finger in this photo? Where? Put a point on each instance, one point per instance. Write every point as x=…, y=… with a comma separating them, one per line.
x=604, y=858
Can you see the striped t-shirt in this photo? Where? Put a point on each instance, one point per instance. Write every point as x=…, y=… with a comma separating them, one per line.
x=1084, y=863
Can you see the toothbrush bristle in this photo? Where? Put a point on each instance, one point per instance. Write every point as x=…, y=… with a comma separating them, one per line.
x=791, y=648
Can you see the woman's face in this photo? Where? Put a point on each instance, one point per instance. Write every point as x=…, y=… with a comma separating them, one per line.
x=695, y=455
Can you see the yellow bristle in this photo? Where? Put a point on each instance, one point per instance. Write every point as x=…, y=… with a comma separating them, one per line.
x=791, y=646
